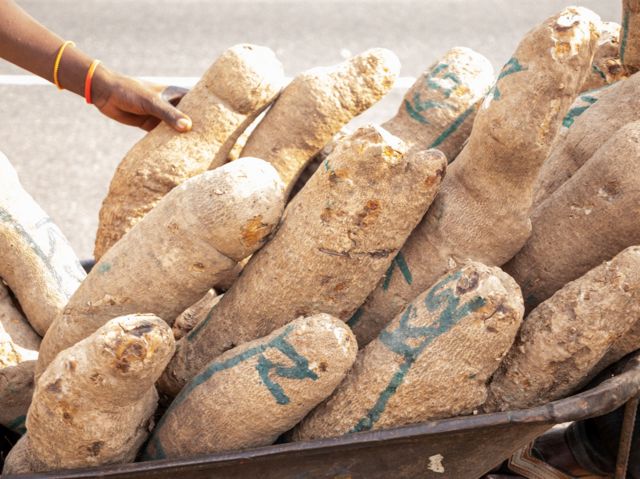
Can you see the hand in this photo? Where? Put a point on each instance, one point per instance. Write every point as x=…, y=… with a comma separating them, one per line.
x=138, y=103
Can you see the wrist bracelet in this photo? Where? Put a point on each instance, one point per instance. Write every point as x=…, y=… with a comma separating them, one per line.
x=56, y=64
x=88, y=79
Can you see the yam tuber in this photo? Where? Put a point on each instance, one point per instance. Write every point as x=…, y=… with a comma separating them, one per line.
x=37, y=261
x=169, y=260
x=242, y=82
x=315, y=105
x=94, y=403
x=566, y=336
x=251, y=394
x=432, y=361
x=588, y=220
x=336, y=239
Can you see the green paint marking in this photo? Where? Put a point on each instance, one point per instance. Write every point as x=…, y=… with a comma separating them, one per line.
x=399, y=339
x=625, y=35
x=355, y=318
x=18, y=425
x=402, y=265
x=511, y=67
x=416, y=106
x=55, y=237
x=599, y=72
x=104, y=268
x=452, y=128
x=575, y=112
x=300, y=370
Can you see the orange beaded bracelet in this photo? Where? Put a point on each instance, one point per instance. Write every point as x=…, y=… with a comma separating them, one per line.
x=88, y=79
x=56, y=64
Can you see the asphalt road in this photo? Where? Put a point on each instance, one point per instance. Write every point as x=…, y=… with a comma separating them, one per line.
x=66, y=152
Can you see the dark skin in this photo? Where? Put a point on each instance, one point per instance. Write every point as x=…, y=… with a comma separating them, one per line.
x=28, y=44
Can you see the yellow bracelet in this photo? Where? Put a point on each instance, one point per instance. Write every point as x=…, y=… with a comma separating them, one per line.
x=56, y=64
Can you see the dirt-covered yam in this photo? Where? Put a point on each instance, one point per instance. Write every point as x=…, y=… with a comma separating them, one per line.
x=253, y=393
x=337, y=238
x=592, y=120
x=439, y=109
x=242, y=82
x=482, y=209
x=36, y=260
x=315, y=105
x=432, y=361
x=563, y=339
x=94, y=403
x=170, y=259
x=588, y=220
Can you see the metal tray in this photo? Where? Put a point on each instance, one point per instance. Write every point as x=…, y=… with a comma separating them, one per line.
x=464, y=447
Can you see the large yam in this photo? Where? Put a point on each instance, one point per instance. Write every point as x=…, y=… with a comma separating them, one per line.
x=37, y=261
x=563, y=339
x=432, y=361
x=169, y=260
x=588, y=220
x=19, y=346
x=315, y=105
x=337, y=238
x=94, y=404
x=595, y=118
x=253, y=393
x=241, y=83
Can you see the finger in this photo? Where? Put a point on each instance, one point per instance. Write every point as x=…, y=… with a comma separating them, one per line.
x=166, y=112
x=149, y=123
x=173, y=94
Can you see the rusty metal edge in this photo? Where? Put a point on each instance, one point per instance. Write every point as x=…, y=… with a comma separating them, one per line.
x=602, y=399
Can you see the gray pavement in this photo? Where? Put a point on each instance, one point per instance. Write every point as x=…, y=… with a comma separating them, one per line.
x=66, y=152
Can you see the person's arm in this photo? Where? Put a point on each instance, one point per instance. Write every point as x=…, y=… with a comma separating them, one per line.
x=28, y=44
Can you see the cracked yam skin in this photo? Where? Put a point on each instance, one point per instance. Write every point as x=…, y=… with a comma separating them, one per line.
x=336, y=240
x=432, y=361
x=315, y=105
x=482, y=210
x=607, y=67
x=94, y=404
x=563, y=339
x=36, y=260
x=615, y=106
x=169, y=260
x=241, y=83
x=228, y=406
x=588, y=220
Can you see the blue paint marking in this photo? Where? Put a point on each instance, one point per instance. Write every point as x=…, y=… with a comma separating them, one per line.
x=511, y=67
x=575, y=112
x=300, y=370
x=452, y=128
x=399, y=262
x=400, y=339
x=416, y=107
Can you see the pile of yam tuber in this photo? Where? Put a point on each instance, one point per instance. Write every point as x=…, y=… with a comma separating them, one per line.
x=271, y=275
